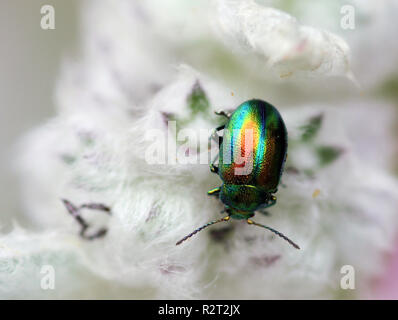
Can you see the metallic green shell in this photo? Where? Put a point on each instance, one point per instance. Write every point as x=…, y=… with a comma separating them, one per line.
x=254, y=147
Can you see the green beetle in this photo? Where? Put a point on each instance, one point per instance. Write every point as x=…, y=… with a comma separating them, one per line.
x=252, y=155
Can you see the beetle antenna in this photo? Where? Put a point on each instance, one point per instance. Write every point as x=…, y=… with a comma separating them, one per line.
x=274, y=231
x=201, y=228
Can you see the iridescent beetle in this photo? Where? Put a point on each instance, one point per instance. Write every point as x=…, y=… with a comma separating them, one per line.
x=252, y=155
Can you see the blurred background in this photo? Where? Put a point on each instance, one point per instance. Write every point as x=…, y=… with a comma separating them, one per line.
x=31, y=59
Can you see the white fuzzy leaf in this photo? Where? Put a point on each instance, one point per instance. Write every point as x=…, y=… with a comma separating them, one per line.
x=281, y=41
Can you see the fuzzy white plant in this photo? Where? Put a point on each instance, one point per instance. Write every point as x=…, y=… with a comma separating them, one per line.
x=281, y=41
x=338, y=199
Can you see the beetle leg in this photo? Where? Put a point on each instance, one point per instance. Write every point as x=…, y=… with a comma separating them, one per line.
x=214, y=192
x=75, y=212
x=214, y=136
x=268, y=204
x=271, y=202
x=213, y=168
x=223, y=113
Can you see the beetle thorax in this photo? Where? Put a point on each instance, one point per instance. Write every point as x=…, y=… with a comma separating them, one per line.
x=243, y=198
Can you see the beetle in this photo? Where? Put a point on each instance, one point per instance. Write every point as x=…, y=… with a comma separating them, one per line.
x=252, y=155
